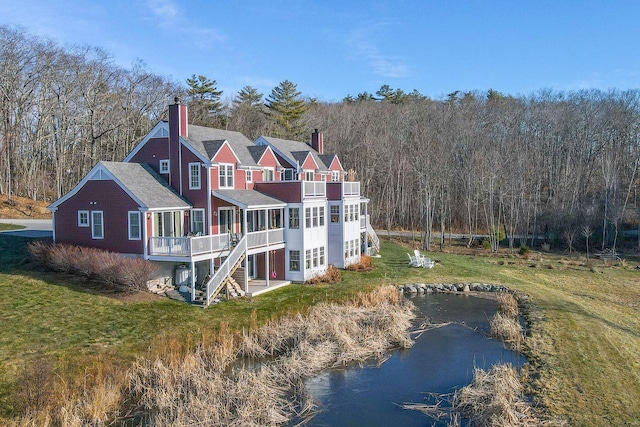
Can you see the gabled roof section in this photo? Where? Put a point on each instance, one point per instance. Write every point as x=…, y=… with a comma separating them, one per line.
x=293, y=151
x=138, y=180
x=257, y=151
x=249, y=199
x=160, y=130
x=207, y=141
x=328, y=159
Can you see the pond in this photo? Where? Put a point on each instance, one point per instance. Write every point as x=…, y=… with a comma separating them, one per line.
x=441, y=360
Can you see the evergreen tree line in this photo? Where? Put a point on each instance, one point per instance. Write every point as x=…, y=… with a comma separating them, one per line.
x=555, y=165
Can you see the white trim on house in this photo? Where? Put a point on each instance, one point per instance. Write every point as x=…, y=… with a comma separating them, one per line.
x=225, y=177
x=94, y=234
x=195, y=167
x=164, y=166
x=192, y=222
x=132, y=223
x=158, y=129
x=83, y=218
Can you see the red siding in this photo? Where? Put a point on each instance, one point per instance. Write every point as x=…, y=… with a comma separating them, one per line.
x=288, y=191
x=105, y=196
x=225, y=155
x=334, y=190
x=335, y=165
x=152, y=152
x=276, y=258
x=309, y=164
x=197, y=198
x=268, y=159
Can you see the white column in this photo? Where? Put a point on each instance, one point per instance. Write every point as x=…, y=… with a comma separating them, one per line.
x=266, y=267
x=193, y=281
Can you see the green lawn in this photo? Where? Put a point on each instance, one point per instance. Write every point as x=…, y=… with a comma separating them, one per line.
x=586, y=349
x=10, y=227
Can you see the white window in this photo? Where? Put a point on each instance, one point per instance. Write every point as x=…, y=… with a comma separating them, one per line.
x=321, y=217
x=352, y=209
x=356, y=211
x=289, y=175
x=197, y=221
x=97, y=225
x=315, y=257
x=267, y=175
x=307, y=217
x=225, y=174
x=164, y=166
x=294, y=218
x=346, y=249
x=346, y=213
x=335, y=213
x=134, y=225
x=322, y=256
x=83, y=218
x=315, y=217
x=194, y=176
x=249, y=175
x=307, y=259
x=335, y=176
x=294, y=260
x=309, y=175
x=323, y=177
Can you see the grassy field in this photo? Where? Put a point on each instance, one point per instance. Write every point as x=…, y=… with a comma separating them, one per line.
x=584, y=347
x=10, y=227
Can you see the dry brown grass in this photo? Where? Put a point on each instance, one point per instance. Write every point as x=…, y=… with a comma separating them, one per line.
x=224, y=379
x=332, y=275
x=364, y=264
x=507, y=305
x=16, y=207
x=507, y=330
x=495, y=398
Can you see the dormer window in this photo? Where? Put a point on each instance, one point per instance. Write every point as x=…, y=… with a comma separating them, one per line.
x=164, y=166
x=225, y=173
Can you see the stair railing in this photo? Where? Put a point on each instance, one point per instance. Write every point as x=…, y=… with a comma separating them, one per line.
x=214, y=285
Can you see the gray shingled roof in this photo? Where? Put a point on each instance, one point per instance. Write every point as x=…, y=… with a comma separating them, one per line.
x=293, y=149
x=247, y=199
x=145, y=184
x=207, y=141
x=327, y=159
x=257, y=151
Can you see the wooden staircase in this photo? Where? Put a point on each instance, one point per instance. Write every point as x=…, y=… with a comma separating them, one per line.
x=223, y=279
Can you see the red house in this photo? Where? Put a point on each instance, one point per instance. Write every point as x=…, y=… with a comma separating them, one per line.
x=215, y=210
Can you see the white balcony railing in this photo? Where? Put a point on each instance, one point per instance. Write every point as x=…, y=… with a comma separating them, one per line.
x=351, y=188
x=188, y=246
x=265, y=238
x=314, y=189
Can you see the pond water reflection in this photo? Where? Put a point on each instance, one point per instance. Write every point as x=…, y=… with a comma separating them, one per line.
x=441, y=360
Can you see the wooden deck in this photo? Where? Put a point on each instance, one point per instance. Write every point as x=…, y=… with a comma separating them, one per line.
x=257, y=287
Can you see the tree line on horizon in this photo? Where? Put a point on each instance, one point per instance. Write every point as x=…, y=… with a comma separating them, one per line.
x=561, y=165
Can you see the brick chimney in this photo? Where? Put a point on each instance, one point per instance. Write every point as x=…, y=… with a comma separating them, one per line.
x=178, y=121
x=178, y=118
x=316, y=141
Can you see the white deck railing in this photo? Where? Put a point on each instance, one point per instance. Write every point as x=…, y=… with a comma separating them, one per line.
x=314, y=189
x=188, y=246
x=351, y=188
x=265, y=238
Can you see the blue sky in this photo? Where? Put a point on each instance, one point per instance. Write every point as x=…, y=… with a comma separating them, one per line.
x=334, y=48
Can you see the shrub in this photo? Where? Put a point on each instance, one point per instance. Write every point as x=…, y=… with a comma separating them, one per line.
x=114, y=270
x=486, y=244
x=524, y=250
x=332, y=275
x=363, y=265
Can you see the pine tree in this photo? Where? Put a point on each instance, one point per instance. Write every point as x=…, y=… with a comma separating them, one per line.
x=286, y=109
x=247, y=113
x=205, y=108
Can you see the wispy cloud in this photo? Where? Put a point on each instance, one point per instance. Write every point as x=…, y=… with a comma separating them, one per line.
x=169, y=14
x=617, y=78
x=163, y=9
x=382, y=64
